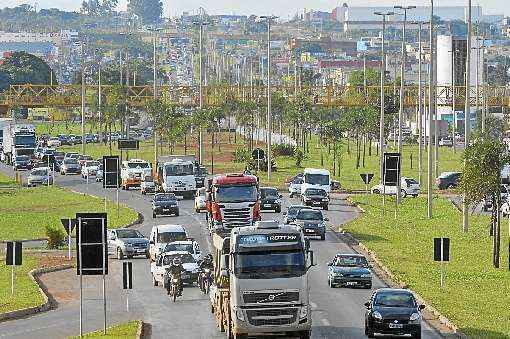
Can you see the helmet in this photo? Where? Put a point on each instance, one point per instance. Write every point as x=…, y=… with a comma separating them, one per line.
x=176, y=261
x=208, y=257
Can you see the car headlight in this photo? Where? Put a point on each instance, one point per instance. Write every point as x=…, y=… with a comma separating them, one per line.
x=128, y=245
x=239, y=314
x=377, y=315
x=325, y=199
x=303, y=312
x=366, y=275
x=337, y=274
x=415, y=317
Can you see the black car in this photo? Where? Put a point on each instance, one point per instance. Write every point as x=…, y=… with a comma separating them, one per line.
x=22, y=162
x=349, y=270
x=292, y=212
x=315, y=197
x=270, y=199
x=165, y=204
x=200, y=175
x=448, y=180
x=64, y=140
x=312, y=222
x=393, y=311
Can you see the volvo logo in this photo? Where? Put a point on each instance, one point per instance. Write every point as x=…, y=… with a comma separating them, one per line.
x=271, y=297
x=395, y=321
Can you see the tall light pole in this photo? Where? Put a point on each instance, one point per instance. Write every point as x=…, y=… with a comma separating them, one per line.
x=269, y=113
x=432, y=94
x=454, y=52
x=420, y=107
x=402, y=93
x=383, y=76
x=83, y=110
x=467, y=111
x=155, y=96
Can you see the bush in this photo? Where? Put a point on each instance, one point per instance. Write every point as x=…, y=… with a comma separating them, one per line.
x=56, y=237
x=298, y=156
x=283, y=150
x=241, y=155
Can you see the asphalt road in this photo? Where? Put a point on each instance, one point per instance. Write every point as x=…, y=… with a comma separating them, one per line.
x=337, y=313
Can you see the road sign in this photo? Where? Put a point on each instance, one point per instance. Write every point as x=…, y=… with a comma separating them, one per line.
x=111, y=171
x=92, y=249
x=14, y=253
x=366, y=177
x=391, y=169
x=128, y=144
x=69, y=225
x=441, y=249
x=127, y=275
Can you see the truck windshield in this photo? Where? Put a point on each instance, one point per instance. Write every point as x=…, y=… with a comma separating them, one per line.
x=269, y=264
x=21, y=151
x=317, y=179
x=24, y=140
x=138, y=165
x=228, y=194
x=178, y=170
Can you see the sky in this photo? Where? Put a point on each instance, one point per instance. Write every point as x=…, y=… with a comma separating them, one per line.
x=282, y=8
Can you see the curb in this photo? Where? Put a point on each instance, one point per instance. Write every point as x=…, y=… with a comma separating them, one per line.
x=48, y=300
x=23, y=240
x=140, y=333
x=391, y=280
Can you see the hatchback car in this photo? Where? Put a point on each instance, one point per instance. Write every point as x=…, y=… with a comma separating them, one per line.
x=165, y=204
x=312, y=222
x=291, y=213
x=448, y=180
x=147, y=185
x=89, y=169
x=40, y=176
x=393, y=311
x=125, y=242
x=349, y=270
x=70, y=166
x=270, y=199
x=408, y=187
x=200, y=200
x=22, y=162
x=315, y=197
x=295, y=186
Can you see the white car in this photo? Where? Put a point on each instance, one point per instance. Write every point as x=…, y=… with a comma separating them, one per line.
x=295, y=186
x=54, y=142
x=89, y=168
x=408, y=186
x=448, y=142
x=147, y=185
x=164, y=261
x=200, y=200
x=162, y=235
x=190, y=246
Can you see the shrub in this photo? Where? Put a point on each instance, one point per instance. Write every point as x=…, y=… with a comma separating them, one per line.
x=56, y=237
x=283, y=150
x=242, y=154
x=298, y=156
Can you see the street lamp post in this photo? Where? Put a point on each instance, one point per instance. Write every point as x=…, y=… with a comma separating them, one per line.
x=431, y=111
x=467, y=111
x=383, y=76
x=420, y=107
x=402, y=88
x=269, y=113
x=454, y=52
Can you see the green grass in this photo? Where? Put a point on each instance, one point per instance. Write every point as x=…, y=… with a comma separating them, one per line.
x=24, y=213
x=476, y=295
x=26, y=292
x=126, y=330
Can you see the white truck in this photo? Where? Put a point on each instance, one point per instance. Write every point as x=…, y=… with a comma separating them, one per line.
x=176, y=174
x=316, y=178
x=18, y=139
x=3, y=122
x=133, y=171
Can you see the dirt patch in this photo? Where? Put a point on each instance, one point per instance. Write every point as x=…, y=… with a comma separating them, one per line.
x=45, y=259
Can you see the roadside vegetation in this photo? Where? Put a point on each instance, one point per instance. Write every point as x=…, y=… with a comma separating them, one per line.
x=476, y=295
x=127, y=330
x=26, y=212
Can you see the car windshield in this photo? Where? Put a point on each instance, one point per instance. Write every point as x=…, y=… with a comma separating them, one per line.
x=22, y=158
x=393, y=299
x=185, y=259
x=70, y=161
x=138, y=165
x=268, y=192
x=178, y=170
x=293, y=210
x=85, y=157
x=39, y=172
x=228, y=194
x=269, y=264
x=91, y=163
x=201, y=192
x=351, y=261
x=307, y=214
x=201, y=171
x=167, y=237
x=125, y=234
x=411, y=182
x=165, y=197
x=317, y=179
x=313, y=191
x=174, y=247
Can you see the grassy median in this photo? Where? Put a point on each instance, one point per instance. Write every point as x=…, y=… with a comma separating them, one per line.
x=25, y=212
x=127, y=330
x=476, y=295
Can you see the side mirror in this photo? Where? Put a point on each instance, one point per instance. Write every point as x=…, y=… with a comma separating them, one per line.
x=421, y=307
x=367, y=304
x=326, y=219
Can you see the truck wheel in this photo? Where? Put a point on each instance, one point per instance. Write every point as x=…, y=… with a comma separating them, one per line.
x=326, y=207
x=304, y=334
x=240, y=336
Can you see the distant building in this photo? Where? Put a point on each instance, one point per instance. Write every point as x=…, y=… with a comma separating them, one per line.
x=324, y=44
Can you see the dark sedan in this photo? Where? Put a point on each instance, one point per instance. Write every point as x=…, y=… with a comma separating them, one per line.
x=448, y=180
x=393, y=311
x=291, y=213
x=349, y=270
x=165, y=204
x=315, y=197
x=270, y=199
x=312, y=222
x=22, y=162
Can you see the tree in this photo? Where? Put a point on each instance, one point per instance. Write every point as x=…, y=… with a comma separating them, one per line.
x=149, y=11
x=24, y=68
x=97, y=7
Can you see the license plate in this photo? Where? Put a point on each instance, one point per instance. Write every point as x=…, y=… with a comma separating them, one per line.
x=185, y=276
x=392, y=325
x=166, y=209
x=309, y=231
x=316, y=203
x=351, y=283
x=267, y=205
x=140, y=251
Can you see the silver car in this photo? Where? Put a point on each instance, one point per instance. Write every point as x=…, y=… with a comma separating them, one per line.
x=125, y=242
x=40, y=176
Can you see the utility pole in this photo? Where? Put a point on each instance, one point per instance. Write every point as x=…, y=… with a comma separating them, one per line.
x=402, y=93
x=431, y=110
x=83, y=110
x=383, y=78
x=420, y=108
x=154, y=96
x=467, y=112
x=100, y=102
x=269, y=113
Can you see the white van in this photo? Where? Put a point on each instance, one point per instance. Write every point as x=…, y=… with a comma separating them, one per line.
x=316, y=178
x=162, y=235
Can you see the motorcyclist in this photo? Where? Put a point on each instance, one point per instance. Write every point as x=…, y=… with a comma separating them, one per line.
x=205, y=263
x=175, y=271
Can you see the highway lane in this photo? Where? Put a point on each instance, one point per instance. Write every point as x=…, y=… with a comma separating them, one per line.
x=337, y=313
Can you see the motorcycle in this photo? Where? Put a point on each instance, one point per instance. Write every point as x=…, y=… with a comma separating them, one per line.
x=205, y=280
x=174, y=290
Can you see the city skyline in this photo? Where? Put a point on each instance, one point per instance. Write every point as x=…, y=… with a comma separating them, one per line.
x=284, y=9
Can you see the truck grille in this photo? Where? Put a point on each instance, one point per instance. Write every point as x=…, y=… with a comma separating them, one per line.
x=272, y=317
x=236, y=217
x=269, y=297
